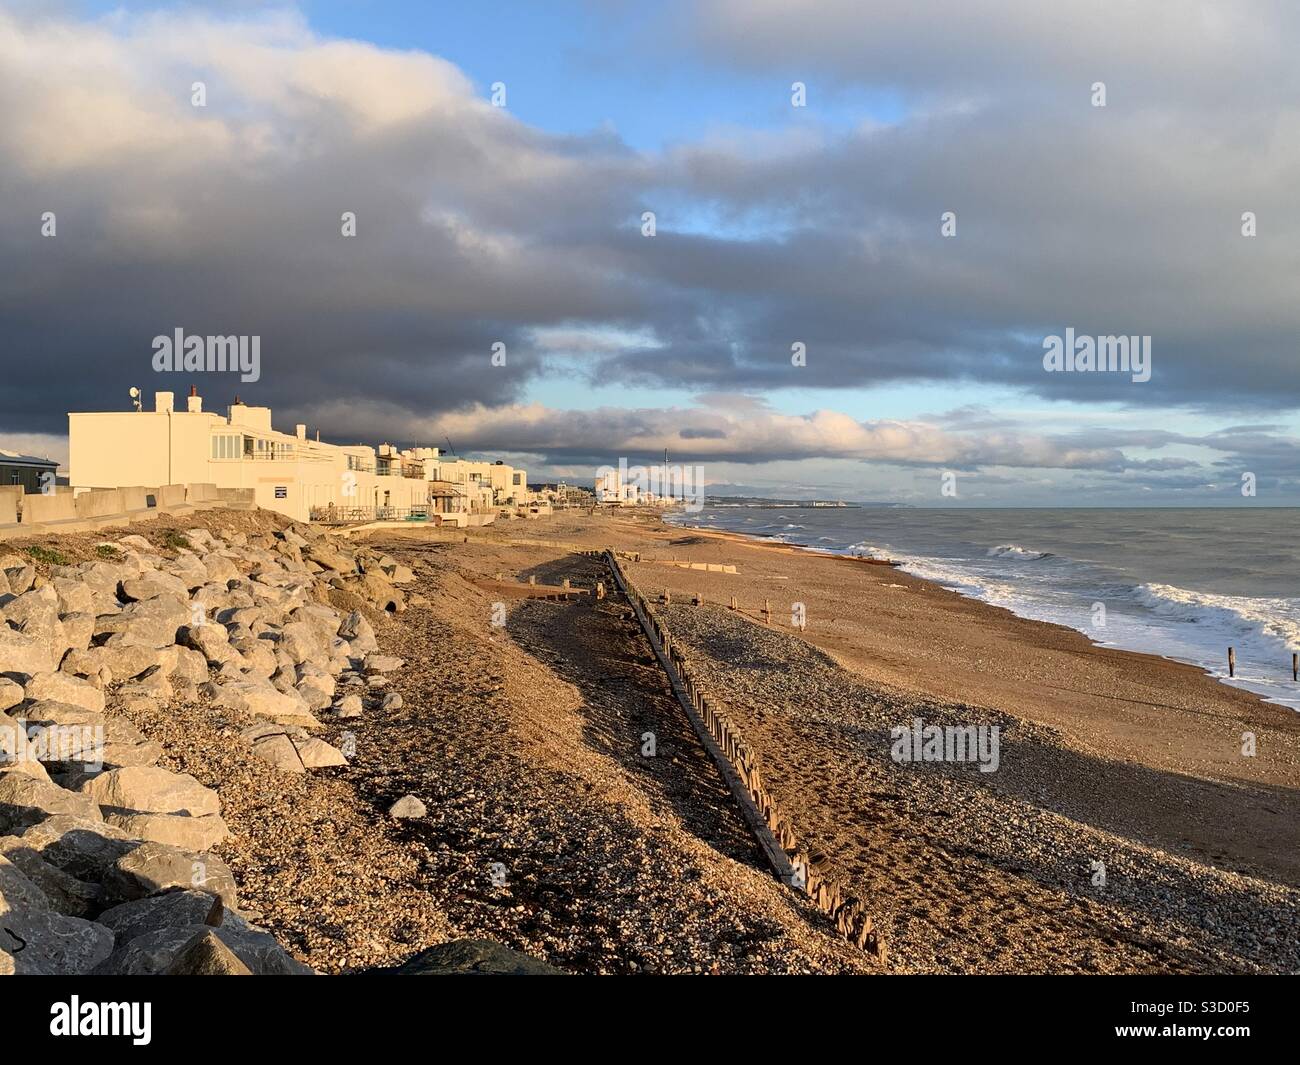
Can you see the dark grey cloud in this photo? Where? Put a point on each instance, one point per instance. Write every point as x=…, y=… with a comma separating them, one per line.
x=474, y=228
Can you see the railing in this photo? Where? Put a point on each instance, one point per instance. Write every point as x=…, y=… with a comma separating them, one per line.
x=348, y=515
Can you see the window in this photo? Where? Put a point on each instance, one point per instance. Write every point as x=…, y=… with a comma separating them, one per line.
x=225, y=447
x=519, y=478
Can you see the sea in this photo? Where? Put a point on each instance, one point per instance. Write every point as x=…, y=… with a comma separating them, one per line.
x=1186, y=584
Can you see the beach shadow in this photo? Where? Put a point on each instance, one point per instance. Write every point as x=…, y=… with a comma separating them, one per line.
x=630, y=715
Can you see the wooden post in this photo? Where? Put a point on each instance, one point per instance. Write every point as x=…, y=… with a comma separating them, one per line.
x=1232, y=662
x=733, y=602
x=767, y=611
x=532, y=579
x=1295, y=666
x=668, y=596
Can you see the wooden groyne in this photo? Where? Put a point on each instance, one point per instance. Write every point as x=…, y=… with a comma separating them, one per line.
x=809, y=874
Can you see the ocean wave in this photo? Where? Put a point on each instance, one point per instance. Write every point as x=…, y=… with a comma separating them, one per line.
x=866, y=549
x=1272, y=618
x=1016, y=551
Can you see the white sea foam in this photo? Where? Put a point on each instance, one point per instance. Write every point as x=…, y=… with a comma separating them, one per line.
x=1250, y=616
x=1016, y=551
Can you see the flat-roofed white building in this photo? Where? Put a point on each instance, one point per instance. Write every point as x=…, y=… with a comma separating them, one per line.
x=288, y=473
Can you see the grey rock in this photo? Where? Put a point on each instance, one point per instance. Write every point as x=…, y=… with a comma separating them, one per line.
x=204, y=954
x=154, y=867
x=81, y=847
x=155, y=952
x=473, y=957
x=171, y=909
x=35, y=939
x=66, y=894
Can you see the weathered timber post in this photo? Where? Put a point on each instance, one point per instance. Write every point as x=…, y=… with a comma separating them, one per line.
x=1232, y=662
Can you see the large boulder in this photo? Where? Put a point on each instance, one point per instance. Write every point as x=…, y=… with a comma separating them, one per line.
x=210, y=640
x=11, y=694
x=220, y=570
x=26, y=654
x=150, y=789
x=188, y=569
x=26, y=801
x=256, y=696
x=157, y=951
x=153, y=867
x=359, y=633
x=204, y=954
x=122, y=663
x=147, y=623
x=171, y=909
x=184, y=665
x=35, y=939
x=196, y=834
x=64, y=688
x=304, y=642
x=74, y=596
x=68, y=895
x=328, y=557
x=150, y=585
x=17, y=753
x=80, y=846
x=78, y=630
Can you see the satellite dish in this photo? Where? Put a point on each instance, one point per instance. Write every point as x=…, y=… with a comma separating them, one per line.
x=135, y=393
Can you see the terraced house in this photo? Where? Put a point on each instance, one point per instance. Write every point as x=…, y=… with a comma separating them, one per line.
x=304, y=478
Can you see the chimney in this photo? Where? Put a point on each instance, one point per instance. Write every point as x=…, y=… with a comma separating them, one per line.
x=163, y=402
x=300, y=431
x=194, y=402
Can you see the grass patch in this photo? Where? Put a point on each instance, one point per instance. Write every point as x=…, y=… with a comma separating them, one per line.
x=176, y=541
x=48, y=555
x=108, y=551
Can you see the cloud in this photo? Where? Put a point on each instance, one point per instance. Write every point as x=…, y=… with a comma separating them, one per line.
x=746, y=432
x=475, y=228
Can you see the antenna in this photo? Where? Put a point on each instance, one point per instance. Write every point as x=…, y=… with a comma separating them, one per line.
x=449, y=447
x=135, y=398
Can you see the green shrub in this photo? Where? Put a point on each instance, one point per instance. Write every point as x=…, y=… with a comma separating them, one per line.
x=176, y=541
x=47, y=555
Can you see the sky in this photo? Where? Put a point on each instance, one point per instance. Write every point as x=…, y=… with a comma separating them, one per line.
x=956, y=184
